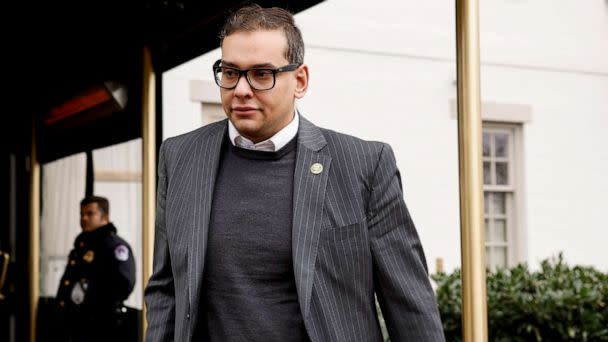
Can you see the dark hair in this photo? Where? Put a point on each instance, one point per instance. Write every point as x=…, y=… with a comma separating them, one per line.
x=254, y=17
x=102, y=203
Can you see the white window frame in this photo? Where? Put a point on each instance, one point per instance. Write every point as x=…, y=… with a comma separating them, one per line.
x=207, y=93
x=516, y=236
x=514, y=116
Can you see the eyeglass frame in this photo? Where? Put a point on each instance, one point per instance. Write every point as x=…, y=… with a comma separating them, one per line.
x=285, y=68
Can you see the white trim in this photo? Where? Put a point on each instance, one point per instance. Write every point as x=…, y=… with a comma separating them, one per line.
x=207, y=94
x=211, y=112
x=521, y=240
x=204, y=91
x=515, y=195
x=117, y=176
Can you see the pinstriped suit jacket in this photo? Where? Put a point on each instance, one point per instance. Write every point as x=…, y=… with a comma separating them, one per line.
x=352, y=236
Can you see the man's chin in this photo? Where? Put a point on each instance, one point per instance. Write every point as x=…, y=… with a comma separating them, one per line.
x=243, y=119
x=247, y=128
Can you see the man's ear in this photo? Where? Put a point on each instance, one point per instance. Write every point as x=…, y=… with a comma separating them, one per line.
x=301, y=81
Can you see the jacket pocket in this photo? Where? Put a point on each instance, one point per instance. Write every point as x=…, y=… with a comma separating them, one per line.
x=352, y=232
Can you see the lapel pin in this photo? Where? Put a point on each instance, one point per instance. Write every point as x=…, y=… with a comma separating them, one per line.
x=316, y=168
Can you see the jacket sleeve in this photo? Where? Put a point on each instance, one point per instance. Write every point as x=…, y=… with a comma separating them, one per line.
x=159, y=295
x=401, y=280
x=123, y=271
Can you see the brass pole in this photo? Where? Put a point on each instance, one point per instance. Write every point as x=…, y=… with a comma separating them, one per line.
x=34, y=230
x=6, y=259
x=474, y=315
x=149, y=170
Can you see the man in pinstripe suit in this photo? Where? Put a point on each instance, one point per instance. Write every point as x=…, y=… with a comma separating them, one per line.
x=270, y=228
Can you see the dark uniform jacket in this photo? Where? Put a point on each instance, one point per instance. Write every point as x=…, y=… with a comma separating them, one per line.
x=100, y=273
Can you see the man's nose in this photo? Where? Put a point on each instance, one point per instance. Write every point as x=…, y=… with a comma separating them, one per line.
x=243, y=88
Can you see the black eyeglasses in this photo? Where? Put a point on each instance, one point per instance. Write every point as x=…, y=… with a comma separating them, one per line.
x=258, y=78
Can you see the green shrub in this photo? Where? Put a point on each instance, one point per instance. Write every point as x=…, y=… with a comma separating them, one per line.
x=556, y=303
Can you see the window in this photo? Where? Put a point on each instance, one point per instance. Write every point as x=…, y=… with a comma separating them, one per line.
x=63, y=186
x=212, y=112
x=207, y=94
x=500, y=194
x=503, y=176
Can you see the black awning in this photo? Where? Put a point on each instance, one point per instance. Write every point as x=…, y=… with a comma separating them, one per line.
x=55, y=50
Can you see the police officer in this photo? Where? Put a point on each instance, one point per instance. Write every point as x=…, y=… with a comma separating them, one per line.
x=99, y=276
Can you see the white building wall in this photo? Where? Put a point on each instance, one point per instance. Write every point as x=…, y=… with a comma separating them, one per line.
x=385, y=70
x=565, y=159
x=553, y=55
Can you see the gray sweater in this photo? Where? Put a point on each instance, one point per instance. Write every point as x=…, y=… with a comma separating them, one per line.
x=249, y=287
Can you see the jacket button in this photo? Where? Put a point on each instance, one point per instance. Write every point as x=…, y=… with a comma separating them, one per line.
x=66, y=282
x=188, y=316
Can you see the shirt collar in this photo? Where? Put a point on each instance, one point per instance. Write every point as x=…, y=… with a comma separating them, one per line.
x=274, y=143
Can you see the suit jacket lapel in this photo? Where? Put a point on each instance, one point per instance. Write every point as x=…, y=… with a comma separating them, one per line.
x=206, y=161
x=308, y=201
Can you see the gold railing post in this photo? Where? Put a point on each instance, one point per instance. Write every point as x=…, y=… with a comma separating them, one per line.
x=474, y=314
x=34, y=233
x=149, y=170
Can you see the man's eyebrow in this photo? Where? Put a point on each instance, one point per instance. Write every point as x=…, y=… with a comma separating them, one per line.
x=264, y=65
x=228, y=64
x=261, y=65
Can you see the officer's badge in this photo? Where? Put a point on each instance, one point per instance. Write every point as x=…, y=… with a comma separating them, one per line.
x=77, y=295
x=121, y=253
x=88, y=256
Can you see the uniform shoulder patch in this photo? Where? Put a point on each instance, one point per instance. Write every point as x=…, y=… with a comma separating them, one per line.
x=121, y=253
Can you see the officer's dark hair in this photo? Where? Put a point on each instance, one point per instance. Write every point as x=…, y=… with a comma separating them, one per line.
x=254, y=17
x=102, y=203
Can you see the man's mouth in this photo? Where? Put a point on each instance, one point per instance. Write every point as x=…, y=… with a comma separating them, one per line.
x=244, y=110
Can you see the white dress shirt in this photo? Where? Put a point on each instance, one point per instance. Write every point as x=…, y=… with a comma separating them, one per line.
x=274, y=143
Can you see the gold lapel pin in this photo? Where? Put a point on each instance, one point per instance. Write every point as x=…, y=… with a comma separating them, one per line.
x=316, y=168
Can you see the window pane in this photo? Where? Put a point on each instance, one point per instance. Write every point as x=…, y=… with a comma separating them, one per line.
x=502, y=176
x=501, y=144
x=487, y=225
x=486, y=202
x=487, y=173
x=499, y=231
x=499, y=257
x=486, y=144
x=488, y=257
x=498, y=203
